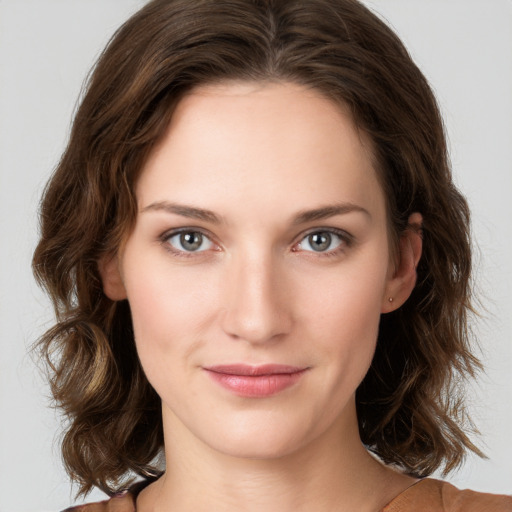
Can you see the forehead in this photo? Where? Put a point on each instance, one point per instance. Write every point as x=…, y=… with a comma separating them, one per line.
x=258, y=141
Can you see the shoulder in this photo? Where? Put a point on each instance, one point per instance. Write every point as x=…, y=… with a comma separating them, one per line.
x=432, y=495
x=121, y=502
x=124, y=503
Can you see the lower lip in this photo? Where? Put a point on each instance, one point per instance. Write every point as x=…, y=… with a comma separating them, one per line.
x=256, y=386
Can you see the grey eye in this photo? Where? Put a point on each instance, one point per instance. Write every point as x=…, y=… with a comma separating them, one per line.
x=190, y=241
x=321, y=241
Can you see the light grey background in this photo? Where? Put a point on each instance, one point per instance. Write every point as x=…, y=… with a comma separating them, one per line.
x=46, y=48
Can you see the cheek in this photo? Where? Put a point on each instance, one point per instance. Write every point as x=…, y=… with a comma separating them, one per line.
x=344, y=319
x=171, y=306
x=350, y=325
x=349, y=295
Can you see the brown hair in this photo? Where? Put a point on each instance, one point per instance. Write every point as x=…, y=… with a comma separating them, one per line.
x=409, y=407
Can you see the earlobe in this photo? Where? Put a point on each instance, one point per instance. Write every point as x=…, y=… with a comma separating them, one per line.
x=402, y=281
x=113, y=286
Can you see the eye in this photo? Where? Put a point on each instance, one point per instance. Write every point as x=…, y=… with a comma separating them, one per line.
x=189, y=241
x=322, y=241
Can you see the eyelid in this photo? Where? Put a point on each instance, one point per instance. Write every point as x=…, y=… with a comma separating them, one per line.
x=170, y=233
x=344, y=236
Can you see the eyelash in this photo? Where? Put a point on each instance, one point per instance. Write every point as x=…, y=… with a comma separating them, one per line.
x=346, y=240
x=166, y=237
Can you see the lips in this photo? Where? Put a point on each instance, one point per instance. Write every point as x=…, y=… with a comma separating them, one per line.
x=255, y=381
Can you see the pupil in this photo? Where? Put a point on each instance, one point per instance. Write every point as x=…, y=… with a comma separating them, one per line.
x=320, y=241
x=191, y=241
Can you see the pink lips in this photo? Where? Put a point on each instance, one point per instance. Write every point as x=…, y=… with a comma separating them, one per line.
x=255, y=381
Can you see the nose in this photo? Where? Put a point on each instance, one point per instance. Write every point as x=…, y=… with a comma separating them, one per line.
x=256, y=308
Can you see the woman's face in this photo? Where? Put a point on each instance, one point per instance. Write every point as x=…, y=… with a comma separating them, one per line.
x=258, y=268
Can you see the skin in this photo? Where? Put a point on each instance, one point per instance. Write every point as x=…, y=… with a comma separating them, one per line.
x=255, y=291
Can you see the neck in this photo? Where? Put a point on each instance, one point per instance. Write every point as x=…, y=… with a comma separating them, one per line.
x=332, y=473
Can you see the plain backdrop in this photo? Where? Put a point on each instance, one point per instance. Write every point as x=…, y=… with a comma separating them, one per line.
x=46, y=49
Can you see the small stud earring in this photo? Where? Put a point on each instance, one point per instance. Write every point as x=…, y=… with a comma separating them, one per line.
x=390, y=299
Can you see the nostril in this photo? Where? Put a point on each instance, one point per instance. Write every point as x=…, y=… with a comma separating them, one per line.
x=256, y=323
x=255, y=308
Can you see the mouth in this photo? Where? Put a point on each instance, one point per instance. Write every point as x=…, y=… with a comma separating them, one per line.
x=255, y=381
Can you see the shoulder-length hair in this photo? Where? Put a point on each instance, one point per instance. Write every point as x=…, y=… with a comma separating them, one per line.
x=410, y=411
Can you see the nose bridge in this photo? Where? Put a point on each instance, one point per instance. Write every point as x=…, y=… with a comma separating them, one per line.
x=253, y=307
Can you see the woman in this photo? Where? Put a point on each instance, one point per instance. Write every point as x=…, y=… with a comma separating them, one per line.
x=260, y=266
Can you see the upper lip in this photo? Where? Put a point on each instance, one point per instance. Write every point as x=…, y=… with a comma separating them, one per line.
x=249, y=370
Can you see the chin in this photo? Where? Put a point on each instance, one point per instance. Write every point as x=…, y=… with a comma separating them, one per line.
x=259, y=448
x=263, y=438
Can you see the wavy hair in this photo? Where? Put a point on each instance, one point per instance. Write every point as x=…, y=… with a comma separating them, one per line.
x=410, y=407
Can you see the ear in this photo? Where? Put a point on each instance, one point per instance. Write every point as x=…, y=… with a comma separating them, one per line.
x=113, y=286
x=403, y=275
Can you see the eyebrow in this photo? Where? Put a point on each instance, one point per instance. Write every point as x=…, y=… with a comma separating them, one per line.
x=325, y=212
x=185, y=211
x=302, y=217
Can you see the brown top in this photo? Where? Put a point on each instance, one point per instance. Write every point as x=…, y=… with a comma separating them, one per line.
x=431, y=495
x=427, y=495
